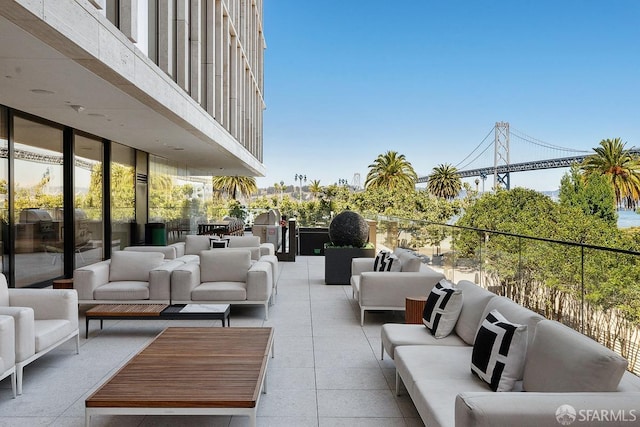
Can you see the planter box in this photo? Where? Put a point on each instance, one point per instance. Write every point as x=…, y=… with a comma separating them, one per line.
x=337, y=263
x=312, y=240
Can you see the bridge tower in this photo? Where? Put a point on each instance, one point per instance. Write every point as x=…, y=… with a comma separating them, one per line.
x=501, y=155
x=355, y=182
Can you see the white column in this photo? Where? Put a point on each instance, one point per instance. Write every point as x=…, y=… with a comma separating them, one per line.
x=219, y=48
x=196, y=50
x=166, y=36
x=129, y=19
x=182, y=44
x=233, y=86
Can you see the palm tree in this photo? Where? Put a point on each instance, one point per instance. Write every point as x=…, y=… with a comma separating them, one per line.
x=444, y=182
x=620, y=167
x=391, y=170
x=234, y=185
x=315, y=188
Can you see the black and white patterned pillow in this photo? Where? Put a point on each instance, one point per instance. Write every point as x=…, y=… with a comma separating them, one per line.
x=386, y=261
x=442, y=309
x=499, y=351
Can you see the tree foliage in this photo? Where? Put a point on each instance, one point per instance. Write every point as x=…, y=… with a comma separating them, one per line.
x=444, y=182
x=235, y=186
x=621, y=168
x=590, y=193
x=391, y=170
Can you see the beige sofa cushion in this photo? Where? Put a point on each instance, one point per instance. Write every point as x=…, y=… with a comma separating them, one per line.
x=193, y=244
x=224, y=265
x=475, y=301
x=410, y=262
x=169, y=252
x=133, y=265
x=563, y=360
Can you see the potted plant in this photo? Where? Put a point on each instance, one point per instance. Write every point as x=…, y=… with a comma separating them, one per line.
x=349, y=238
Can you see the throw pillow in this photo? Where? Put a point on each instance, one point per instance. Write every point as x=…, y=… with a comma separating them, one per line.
x=499, y=351
x=386, y=261
x=442, y=309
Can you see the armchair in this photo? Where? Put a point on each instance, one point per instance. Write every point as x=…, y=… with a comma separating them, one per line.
x=8, y=350
x=129, y=276
x=223, y=277
x=44, y=319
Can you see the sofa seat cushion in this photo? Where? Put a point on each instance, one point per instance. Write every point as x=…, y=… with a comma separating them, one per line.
x=193, y=245
x=129, y=265
x=435, y=400
x=123, y=290
x=435, y=362
x=189, y=258
x=563, y=360
x=50, y=332
x=397, y=334
x=220, y=291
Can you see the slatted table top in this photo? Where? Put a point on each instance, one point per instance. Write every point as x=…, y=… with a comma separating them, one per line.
x=140, y=310
x=191, y=368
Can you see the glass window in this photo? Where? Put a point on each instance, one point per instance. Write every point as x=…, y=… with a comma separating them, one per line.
x=123, y=200
x=88, y=218
x=4, y=178
x=38, y=202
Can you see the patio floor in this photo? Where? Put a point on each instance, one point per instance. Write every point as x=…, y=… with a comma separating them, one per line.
x=327, y=370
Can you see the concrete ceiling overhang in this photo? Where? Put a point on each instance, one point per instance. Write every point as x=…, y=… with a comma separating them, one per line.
x=44, y=73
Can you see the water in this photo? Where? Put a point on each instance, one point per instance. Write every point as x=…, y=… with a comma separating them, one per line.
x=628, y=219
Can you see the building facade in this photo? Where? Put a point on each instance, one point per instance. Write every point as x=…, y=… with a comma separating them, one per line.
x=115, y=114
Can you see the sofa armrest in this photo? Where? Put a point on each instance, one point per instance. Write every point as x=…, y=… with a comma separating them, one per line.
x=259, y=281
x=267, y=249
x=48, y=304
x=184, y=279
x=179, y=246
x=389, y=289
x=7, y=343
x=360, y=265
x=87, y=279
x=25, y=334
x=160, y=280
x=489, y=409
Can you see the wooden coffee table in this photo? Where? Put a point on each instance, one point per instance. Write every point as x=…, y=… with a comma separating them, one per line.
x=157, y=312
x=190, y=371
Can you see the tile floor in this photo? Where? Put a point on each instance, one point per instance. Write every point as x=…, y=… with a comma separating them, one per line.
x=327, y=370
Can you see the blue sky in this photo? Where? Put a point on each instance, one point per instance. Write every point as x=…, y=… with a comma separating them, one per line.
x=346, y=80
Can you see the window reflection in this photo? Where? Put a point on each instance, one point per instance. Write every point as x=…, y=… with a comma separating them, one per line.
x=123, y=208
x=37, y=189
x=88, y=218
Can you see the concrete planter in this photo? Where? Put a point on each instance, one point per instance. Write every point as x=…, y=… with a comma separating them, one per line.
x=337, y=263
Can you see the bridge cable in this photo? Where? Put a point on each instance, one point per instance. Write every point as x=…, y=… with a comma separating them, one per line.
x=520, y=134
x=473, y=151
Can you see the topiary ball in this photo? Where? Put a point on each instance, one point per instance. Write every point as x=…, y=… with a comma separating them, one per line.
x=349, y=228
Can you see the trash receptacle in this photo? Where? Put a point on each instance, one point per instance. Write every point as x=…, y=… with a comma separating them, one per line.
x=155, y=234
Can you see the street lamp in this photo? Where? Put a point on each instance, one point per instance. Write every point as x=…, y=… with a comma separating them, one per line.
x=300, y=177
x=483, y=176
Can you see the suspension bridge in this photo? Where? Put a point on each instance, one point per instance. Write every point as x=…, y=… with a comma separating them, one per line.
x=494, y=156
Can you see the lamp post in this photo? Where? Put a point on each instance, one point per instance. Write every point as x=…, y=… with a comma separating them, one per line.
x=483, y=176
x=300, y=177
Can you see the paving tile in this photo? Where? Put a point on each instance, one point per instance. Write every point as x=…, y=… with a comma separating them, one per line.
x=361, y=422
x=357, y=403
x=350, y=379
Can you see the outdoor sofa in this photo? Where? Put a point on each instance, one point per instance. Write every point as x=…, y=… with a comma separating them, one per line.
x=388, y=290
x=8, y=350
x=223, y=276
x=564, y=374
x=43, y=319
x=128, y=277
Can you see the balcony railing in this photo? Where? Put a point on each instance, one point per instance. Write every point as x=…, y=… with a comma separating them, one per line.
x=589, y=288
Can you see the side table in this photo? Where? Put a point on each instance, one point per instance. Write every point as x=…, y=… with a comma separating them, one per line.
x=63, y=284
x=414, y=306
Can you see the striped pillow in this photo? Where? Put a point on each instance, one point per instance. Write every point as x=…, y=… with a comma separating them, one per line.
x=499, y=351
x=442, y=309
x=386, y=261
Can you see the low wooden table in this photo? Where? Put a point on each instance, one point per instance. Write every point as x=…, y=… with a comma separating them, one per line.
x=157, y=312
x=414, y=306
x=63, y=283
x=190, y=371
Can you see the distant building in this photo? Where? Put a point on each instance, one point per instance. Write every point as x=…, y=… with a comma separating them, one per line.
x=108, y=106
